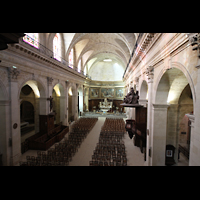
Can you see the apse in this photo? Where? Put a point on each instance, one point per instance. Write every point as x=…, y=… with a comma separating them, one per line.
x=106, y=71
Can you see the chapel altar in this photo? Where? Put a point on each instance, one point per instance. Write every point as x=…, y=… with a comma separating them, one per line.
x=105, y=106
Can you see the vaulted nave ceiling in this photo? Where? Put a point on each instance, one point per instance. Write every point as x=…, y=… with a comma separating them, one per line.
x=95, y=47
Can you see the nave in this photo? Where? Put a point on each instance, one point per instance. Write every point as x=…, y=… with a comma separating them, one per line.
x=84, y=154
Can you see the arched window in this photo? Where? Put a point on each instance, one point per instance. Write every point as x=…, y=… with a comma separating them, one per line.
x=57, y=47
x=79, y=66
x=71, y=58
x=32, y=39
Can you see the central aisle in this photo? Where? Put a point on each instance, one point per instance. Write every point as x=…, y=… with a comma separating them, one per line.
x=85, y=152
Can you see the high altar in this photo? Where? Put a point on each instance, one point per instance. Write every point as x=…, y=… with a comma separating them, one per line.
x=105, y=106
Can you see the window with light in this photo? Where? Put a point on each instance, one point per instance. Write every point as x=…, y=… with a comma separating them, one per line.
x=32, y=39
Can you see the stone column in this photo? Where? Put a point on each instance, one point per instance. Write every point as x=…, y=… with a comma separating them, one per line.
x=86, y=99
x=136, y=81
x=172, y=128
x=194, y=159
x=193, y=150
x=15, y=136
x=37, y=111
x=75, y=104
x=195, y=119
x=150, y=75
x=5, y=132
x=63, y=110
x=43, y=106
x=158, y=134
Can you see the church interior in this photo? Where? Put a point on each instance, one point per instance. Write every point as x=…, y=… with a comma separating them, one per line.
x=99, y=99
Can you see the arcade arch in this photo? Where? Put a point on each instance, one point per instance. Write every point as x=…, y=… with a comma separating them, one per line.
x=144, y=90
x=173, y=93
x=59, y=102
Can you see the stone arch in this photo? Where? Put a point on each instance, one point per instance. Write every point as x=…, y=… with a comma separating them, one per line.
x=165, y=83
x=37, y=86
x=59, y=89
x=59, y=102
x=169, y=87
x=40, y=97
x=143, y=90
x=72, y=86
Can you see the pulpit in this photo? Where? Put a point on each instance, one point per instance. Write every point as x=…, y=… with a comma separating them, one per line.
x=137, y=127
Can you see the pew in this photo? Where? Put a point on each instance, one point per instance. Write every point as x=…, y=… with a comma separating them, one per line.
x=49, y=134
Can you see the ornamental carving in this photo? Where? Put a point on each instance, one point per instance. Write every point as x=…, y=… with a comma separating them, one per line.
x=14, y=73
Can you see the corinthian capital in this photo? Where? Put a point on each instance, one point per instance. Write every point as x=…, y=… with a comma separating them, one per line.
x=13, y=73
x=149, y=72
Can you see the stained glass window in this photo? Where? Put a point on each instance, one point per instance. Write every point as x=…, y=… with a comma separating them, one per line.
x=71, y=58
x=79, y=66
x=32, y=39
x=57, y=47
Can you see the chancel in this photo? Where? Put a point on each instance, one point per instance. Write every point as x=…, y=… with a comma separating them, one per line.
x=105, y=106
x=99, y=99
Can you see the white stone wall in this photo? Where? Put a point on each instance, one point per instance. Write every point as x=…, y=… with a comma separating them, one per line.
x=42, y=74
x=166, y=51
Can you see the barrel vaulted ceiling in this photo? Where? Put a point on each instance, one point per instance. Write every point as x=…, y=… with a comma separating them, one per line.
x=95, y=47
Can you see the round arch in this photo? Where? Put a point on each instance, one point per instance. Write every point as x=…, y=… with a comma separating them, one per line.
x=165, y=81
x=59, y=89
x=37, y=86
x=143, y=92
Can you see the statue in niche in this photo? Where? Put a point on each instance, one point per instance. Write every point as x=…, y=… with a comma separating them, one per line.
x=131, y=97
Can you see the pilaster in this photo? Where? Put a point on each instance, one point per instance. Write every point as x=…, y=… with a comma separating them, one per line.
x=150, y=76
x=158, y=135
x=15, y=136
x=194, y=158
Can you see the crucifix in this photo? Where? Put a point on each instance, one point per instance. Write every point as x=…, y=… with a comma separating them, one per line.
x=51, y=102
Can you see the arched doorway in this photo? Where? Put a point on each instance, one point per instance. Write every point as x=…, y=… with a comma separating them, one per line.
x=173, y=95
x=58, y=103
x=27, y=118
x=144, y=90
x=28, y=106
x=33, y=102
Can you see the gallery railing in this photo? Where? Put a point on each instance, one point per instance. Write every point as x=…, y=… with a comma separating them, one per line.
x=41, y=48
x=133, y=52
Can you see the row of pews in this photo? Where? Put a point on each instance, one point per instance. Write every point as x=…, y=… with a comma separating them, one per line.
x=49, y=134
x=110, y=149
x=63, y=151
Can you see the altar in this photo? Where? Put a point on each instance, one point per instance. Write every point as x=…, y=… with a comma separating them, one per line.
x=105, y=106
